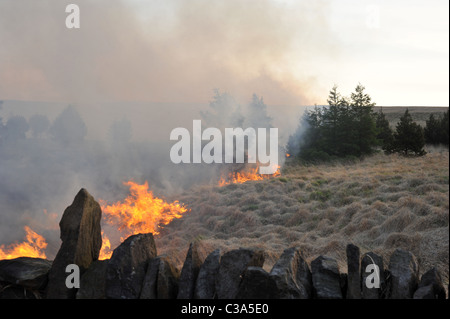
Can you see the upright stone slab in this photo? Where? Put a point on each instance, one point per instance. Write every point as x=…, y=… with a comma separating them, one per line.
x=205, y=286
x=292, y=276
x=189, y=273
x=126, y=269
x=404, y=274
x=326, y=278
x=371, y=275
x=232, y=266
x=430, y=286
x=256, y=283
x=92, y=285
x=81, y=243
x=353, y=272
x=161, y=280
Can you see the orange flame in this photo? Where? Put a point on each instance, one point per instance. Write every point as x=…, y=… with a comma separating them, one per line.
x=245, y=176
x=34, y=246
x=140, y=212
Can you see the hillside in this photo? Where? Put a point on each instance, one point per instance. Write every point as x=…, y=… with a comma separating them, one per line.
x=419, y=114
x=381, y=203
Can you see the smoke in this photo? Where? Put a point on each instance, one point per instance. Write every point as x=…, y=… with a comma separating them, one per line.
x=132, y=74
x=244, y=47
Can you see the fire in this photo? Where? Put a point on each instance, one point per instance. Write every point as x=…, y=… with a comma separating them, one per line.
x=34, y=246
x=106, y=251
x=250, y=174
x=140, y=212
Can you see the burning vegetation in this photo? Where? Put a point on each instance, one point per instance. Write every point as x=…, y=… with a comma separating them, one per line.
x=33, y=246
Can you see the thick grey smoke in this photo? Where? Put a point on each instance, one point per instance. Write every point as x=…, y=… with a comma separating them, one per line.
x=129, y=81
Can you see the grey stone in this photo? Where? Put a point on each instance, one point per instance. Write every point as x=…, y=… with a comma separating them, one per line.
x=353, y=272
x=205, y=286
x=404, y=274
x=189, y=273
x=430, y=286
x=92, y=284
x=372, y=293
x=232, y=266
x=81, y=243
x=257, y=284
x=292, y=276
x=326, y=278
x=126, y=269
x=31, y=273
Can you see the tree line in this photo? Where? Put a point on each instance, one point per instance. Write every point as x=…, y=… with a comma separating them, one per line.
x=348, y=127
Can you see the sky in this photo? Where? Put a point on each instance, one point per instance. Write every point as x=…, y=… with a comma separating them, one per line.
x=289, y=52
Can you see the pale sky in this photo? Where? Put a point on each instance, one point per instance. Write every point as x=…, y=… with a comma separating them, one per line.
x=290, y=52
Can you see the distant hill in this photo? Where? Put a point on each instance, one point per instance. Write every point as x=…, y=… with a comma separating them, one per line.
x=419, y=113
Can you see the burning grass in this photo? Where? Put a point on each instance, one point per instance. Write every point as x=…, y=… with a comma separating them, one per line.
x=379, y=204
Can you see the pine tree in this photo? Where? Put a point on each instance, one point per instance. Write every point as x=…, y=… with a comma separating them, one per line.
x=409, y=136
x=432, y=130
x=443, y=135
x=385, y=134
x=364, y=121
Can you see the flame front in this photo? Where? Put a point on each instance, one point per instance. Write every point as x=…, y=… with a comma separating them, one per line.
x=250, y=174
x=34, y=246
x=140, y=212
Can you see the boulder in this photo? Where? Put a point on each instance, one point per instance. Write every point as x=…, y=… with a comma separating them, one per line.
x=375, y=274
x=232, y=266
x=292, y=276
x=150, y=283
x=81, y=243
x=161, y=280
x=353, y=272
x=257, y=284
x=92, y=284
x=404, y=274
x=205, y=286
x=126, y=269
x=189, y=273
x=326, y=278
x=168, y=280
x=430, y=286
x=31, y=273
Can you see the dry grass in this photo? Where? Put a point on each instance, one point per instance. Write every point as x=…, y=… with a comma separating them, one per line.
x=379, y=204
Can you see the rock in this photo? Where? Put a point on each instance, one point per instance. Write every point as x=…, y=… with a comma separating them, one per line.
x=126, y=269
x=161, y=280
x=18, y=292
x=232, y=266
x=189, y=273
x=81, y=243
x=404, y=274
x=92, y=284
x=292, y=276
x=257, y=284
x=372, y=293
x=205, y=286
x=326, y=278
x=31, y=273
x=168, y=280
x=150, y=283
x=353, y=272
x=430, y=286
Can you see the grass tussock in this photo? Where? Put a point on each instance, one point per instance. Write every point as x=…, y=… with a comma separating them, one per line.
x=380, y=204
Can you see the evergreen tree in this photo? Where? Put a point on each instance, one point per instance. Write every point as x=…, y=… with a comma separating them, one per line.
x=385, y=134
x=444, y=129
x=432, y=130
x=409, y=136
x=364, y=121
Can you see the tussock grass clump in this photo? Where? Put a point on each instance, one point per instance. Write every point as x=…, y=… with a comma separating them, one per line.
x=380, y=203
